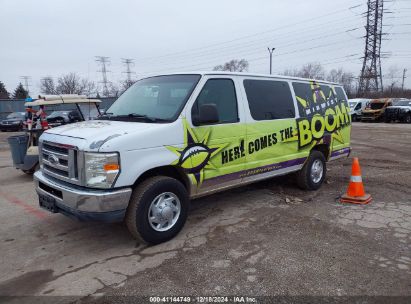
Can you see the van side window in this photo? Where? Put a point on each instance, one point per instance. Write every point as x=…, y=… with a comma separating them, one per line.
x=340, y=94
x=220, y=92
x=328, y=93
x=269, y=99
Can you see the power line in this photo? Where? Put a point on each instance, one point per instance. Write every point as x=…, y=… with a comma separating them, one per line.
x=287, y=26
x=252, y=48
x=205, y=65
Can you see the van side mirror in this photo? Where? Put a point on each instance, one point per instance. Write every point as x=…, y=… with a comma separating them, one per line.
x=208, y=114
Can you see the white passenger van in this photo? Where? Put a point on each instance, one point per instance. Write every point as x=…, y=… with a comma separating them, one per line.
x=357, y=105
x=170, y=138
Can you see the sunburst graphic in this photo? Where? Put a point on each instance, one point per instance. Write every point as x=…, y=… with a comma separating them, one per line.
x=195, y=157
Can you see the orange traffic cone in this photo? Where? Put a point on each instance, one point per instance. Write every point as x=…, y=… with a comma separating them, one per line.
x=355, y=192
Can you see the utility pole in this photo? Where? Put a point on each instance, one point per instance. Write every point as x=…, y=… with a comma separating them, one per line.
x=271, y=50
x=129, y=63
x=103, y=61
x=26, y=83
x=371, y=76
x=403, y=79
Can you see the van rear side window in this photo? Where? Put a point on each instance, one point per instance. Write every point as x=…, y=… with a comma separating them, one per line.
x=269, y=99
x=340, y=94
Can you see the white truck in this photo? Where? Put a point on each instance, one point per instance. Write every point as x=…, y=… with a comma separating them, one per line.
x=170, y=138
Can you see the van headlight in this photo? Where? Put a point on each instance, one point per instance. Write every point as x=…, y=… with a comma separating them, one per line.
x=101, y=169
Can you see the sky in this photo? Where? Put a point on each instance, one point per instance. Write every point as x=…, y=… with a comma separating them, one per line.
x=42, y=38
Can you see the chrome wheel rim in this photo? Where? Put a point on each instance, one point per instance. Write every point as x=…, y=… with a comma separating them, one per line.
x=317, y=171
x=164, y=211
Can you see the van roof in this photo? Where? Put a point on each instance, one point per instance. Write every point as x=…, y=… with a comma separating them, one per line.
x=380, y=100
x=244, y=74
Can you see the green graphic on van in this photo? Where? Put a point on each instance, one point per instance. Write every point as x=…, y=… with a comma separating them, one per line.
x=315, y=127
x=195, y=156
x=322, y=114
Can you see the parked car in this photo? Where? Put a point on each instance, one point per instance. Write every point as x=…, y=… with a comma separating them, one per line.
x=399, y=111
x=374, y=111
x=357, y=105
x=13, y=122
x=58, y=118
x=173, y=137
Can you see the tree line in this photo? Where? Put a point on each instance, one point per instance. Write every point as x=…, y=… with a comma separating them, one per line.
x=72, y=83
x=19, y=93
x=314, y=70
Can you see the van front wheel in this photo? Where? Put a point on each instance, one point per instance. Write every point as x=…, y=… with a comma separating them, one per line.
x=157, y=210
x=312, y=175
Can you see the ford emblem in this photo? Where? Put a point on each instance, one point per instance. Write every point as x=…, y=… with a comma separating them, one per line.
x=52, y=159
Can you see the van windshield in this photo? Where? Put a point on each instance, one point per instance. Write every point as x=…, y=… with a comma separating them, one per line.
x=155, y=99
x=377, y=105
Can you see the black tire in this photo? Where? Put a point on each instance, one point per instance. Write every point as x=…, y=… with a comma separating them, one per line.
x=139, y=207
x=407, y=118
x=354, y=117
x=304, y=179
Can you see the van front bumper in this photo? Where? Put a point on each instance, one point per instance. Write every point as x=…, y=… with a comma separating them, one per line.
x=82, y=203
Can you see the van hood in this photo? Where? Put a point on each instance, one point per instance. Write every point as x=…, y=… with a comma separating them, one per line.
x=96, y=128
x=107, y=135
x=373, y=111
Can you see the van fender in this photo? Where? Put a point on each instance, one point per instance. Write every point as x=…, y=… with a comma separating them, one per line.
x=139, y=162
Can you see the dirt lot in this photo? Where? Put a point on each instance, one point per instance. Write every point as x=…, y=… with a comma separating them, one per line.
x=268, y=238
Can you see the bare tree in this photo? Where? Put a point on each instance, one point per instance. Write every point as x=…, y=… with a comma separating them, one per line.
x=47, y=85
x=343, y=77
x=291, y=73
x=233, y=66
x=113, y=90
x=392, y=77
x=126, y=84
x=72, y=84
x=312, y=70
x=90, y=88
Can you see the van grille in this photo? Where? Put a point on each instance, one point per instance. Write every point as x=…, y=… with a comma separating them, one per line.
x=60, y=161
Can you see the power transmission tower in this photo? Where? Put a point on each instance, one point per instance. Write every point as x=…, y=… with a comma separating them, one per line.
x=371, y=76
x=129, y=63
x=26, y=83
x=103, y=62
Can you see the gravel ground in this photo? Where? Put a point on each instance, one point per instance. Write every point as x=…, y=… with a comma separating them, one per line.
x=265, y=239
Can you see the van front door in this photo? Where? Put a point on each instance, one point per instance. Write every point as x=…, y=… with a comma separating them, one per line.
x=218, y=154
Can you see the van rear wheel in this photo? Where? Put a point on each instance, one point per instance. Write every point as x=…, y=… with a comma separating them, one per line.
x=157, y=210
x=312, y=175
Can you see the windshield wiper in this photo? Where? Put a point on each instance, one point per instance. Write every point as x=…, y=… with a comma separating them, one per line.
x=143, y=116
x=134, y=115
